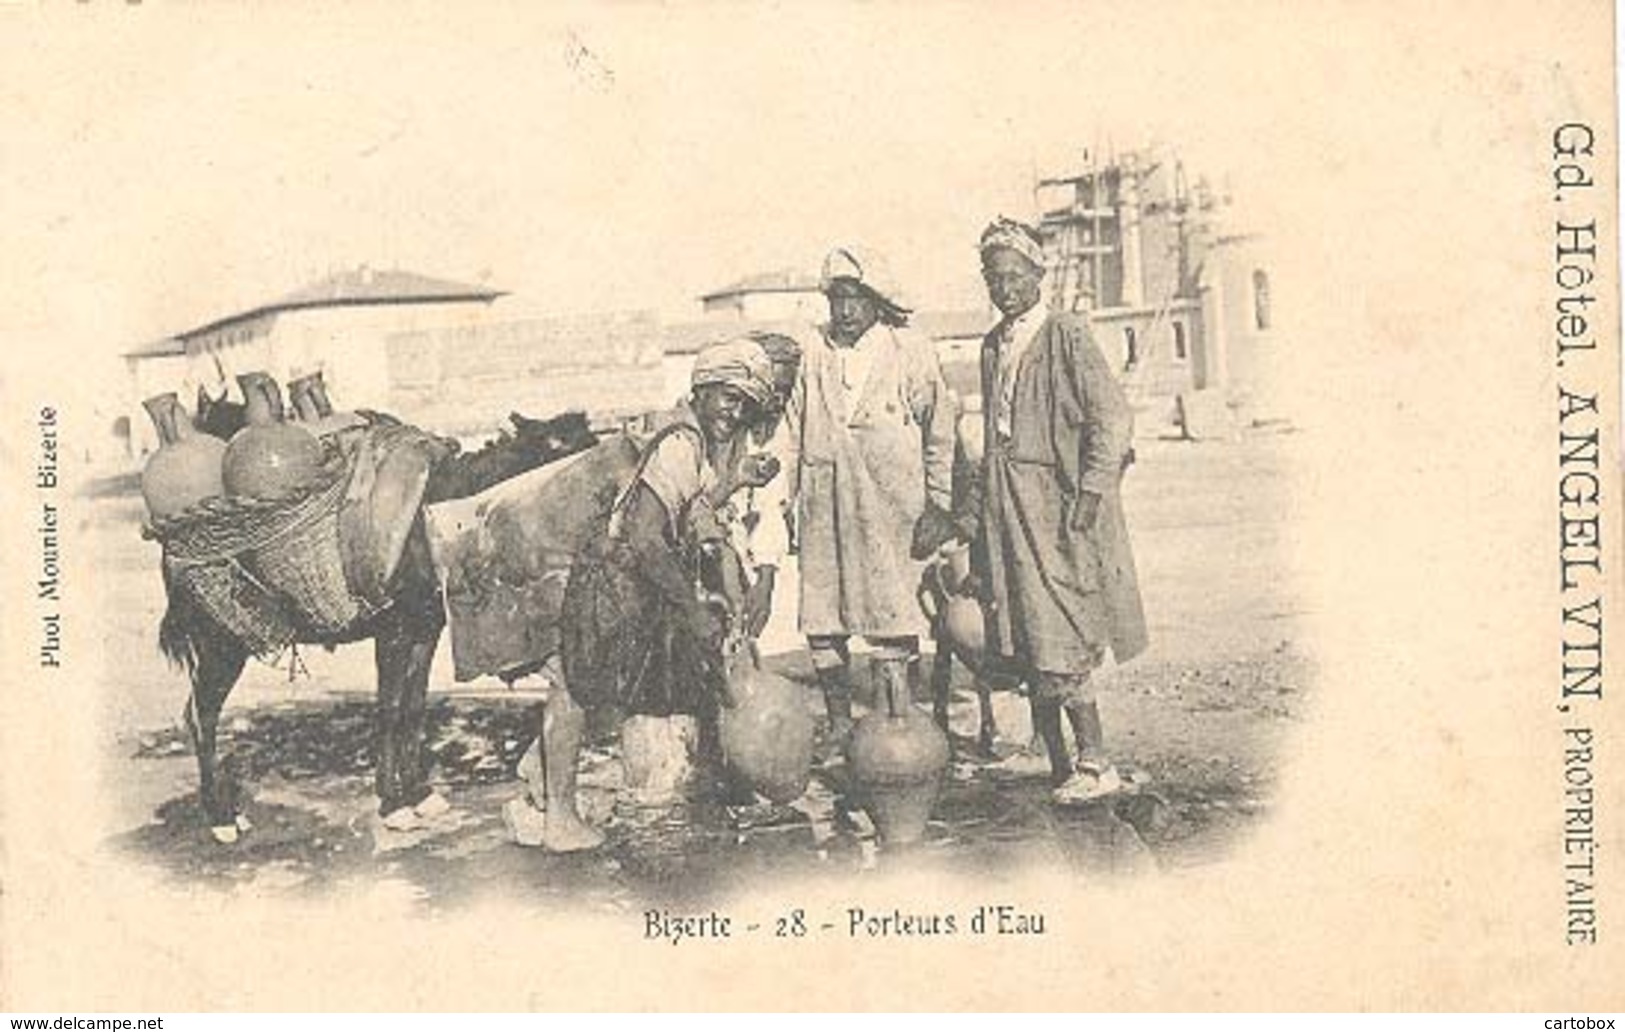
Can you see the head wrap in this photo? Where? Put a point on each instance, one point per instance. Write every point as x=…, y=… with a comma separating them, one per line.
x=866, y=267
x=1017, y=236
x=740, y=363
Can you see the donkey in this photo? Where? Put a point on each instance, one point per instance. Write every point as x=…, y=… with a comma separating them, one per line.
x=405, y=632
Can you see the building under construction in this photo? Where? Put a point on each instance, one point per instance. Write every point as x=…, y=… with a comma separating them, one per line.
x=1176, y=294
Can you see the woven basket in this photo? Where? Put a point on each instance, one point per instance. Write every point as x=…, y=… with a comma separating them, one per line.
x=256, y=616
x=304, y=563
x=226, y=548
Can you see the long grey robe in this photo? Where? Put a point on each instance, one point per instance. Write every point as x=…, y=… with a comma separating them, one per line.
x=1058, y=597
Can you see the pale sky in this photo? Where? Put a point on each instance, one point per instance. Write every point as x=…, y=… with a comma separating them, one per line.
x=178, y=164
x=166, y=165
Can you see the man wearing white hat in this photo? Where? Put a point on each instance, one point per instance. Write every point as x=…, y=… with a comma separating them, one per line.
x=871, y=425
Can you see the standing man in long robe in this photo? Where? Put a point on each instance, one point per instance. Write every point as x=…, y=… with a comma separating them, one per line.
x=871, y=425
x=1058, y=574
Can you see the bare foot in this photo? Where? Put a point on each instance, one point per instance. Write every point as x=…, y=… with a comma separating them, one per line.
x=524, y=822
x=564, y=832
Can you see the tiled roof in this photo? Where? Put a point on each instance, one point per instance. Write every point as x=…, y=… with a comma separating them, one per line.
x=158, y=348
x=361, y=286
x=781, y=281
x=382, y=286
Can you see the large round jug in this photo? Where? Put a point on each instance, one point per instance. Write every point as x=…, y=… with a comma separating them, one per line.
x=767, y=736
x=966, y=628
x=270, y=459
x=897, y=757
x=970, y=431
x=186, y=468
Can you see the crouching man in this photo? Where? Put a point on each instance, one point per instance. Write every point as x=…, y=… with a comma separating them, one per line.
x=650, y=598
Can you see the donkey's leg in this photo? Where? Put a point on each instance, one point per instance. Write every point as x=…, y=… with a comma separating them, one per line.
x=219, y=664
x=404, y=655
x=404, y=647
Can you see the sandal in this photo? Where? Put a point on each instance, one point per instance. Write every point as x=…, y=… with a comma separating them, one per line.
x=1089, y=782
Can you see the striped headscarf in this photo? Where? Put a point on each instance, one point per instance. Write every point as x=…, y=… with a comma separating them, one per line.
x=1017, y=236
x=740, y=363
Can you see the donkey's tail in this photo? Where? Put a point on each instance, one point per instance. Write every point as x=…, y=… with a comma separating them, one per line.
x=177, y=632
x=175, y=638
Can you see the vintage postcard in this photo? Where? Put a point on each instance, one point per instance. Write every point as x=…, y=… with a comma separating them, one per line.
x=1015, y=506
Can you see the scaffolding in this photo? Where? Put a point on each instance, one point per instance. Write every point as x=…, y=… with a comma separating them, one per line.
x=1091, y=223
x=1082, y=229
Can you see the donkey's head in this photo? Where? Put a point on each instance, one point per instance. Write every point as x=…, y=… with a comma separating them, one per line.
x=531, y=443
x=219, y=417
x=555, y=438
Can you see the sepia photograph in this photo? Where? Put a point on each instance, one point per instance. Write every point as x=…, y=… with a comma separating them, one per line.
x=968, y=507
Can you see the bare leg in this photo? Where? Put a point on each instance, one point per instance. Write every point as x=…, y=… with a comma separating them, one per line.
x=832, y=664
x=1047, y=722
x=1095, y=776
x=987, y=727
x=942, y=673
x=1086, y=730
x=563, y=725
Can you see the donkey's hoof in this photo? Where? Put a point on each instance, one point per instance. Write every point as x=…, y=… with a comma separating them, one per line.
x=225, y=834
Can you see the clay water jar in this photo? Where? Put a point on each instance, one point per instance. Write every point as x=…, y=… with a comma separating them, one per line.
x=186, y=468
x=767, y=736
x=897, y=757
x=308, y=396
x=971, y=431
x=961, y=616
x=269, y=459
x=965, y=625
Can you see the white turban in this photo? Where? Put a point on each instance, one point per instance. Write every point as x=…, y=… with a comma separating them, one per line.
x=866, y=267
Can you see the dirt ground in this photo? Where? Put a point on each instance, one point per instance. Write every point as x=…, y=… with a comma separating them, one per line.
x=1198, y=721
